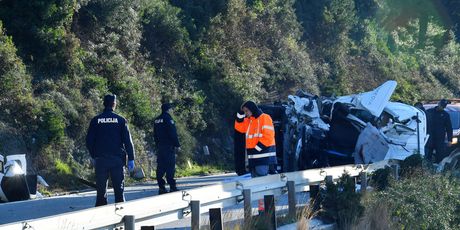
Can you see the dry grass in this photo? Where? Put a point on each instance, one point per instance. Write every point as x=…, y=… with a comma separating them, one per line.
x=376, y=217
x=303, y=224
x=304, y=215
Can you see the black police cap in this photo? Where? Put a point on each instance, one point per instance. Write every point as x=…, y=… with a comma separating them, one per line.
x=444, y=103
x=166, y=106
x=109, y=100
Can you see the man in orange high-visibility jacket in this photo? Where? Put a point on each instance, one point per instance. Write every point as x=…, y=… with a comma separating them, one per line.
x=260, y=138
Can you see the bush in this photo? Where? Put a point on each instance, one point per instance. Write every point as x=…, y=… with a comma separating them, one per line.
x=62, y=168
x=411, y=164
x=341, y=203
x=61, y=176
x=422, y=201
x=381, y=178
x=15, y=85
x=41, y=32
x=51, y=123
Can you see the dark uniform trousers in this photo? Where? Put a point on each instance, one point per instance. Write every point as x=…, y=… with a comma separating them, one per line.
x=112, y=167
x=166, y=164
x=436, y=148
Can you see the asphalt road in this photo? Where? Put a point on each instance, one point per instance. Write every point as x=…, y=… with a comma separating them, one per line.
x=33, y=209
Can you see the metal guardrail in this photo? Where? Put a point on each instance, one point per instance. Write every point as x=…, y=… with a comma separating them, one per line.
x=156, y=210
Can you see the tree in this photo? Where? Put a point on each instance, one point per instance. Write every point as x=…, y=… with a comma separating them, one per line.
x=15, y=85
x=41, y=31
x=453, y=9
x=197, y=14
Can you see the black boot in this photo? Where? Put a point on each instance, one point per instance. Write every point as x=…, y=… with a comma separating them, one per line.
x=162, y=191
x=173, y=189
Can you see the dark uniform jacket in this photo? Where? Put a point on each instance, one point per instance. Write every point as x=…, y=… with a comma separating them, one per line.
x=108, y=136
x=165, y=133
x=439, y=125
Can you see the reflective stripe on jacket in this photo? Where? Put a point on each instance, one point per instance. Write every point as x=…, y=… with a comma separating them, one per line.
x=260, y=139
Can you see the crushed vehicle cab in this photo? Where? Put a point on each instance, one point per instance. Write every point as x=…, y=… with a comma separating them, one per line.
x=313, y=132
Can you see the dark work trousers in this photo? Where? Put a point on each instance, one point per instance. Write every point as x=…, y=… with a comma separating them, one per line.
x=166, y=164
x=113, y=167
x=259, y=170
x=239, y=153
x=436, y=149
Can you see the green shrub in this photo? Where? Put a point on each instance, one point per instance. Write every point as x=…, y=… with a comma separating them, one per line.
x=62, y=175
x=381, y=178
x=341, y=203
x=188, y=144
x=41, y=32
x=411, y=164
x=422, y=201
x=62, y=167
x=52, y=123
x=94, y=82
x=15, y=85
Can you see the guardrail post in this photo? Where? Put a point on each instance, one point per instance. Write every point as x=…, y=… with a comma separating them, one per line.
x=247, y=205
x=395, y=169
x=129, y=221
x=314, y=191
x=291, y=198
x=195, y=207
x=355, y=181
x=270, y=213
x=314, y=197
x=215, y=219
x=363, y=178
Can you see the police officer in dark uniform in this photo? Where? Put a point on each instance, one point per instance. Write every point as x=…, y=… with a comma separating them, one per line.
x=167, y=142
x=439, y=126
x=108, y=140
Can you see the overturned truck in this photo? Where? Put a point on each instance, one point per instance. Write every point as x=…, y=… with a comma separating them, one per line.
x=313, y=132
